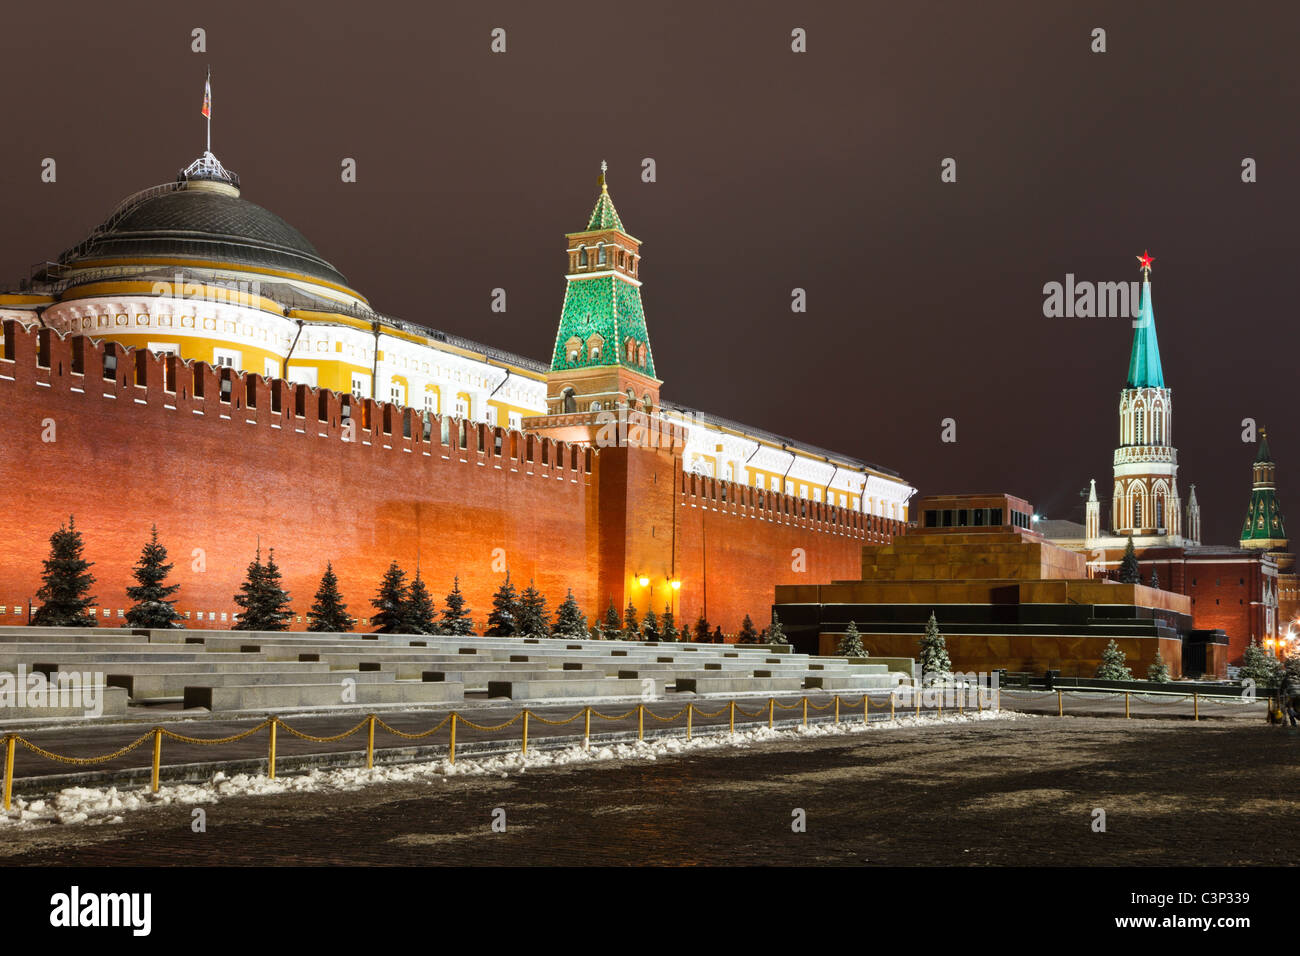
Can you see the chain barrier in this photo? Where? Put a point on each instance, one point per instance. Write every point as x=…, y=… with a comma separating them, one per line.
x=371, y=721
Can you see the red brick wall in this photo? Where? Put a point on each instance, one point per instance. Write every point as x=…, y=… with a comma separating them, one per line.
x=218, y=476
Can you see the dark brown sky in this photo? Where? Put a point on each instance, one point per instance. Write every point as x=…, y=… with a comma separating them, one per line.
x=775, y=170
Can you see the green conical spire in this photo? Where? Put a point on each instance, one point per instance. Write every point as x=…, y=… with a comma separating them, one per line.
x=1144, y=369
x=1264, y=456
x=604, y=216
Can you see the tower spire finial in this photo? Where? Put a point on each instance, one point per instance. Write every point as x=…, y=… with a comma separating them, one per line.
x=1145, y=261
x=604, y=166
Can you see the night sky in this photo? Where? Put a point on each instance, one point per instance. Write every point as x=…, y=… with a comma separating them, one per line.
x=775, y=170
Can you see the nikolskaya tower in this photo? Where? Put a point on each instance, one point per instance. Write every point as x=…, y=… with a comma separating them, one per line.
x=1145, y=502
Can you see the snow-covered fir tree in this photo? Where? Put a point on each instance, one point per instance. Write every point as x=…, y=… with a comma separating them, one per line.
x=455, y=615
x=65, y=592
x=650, y=626
x=1113, y=664
x=1159, y=670
x=748, y=634
x=152, y=607
x=570, y=622
x=701, y=633
x=418, y=612
x=612, y=626
x=631, y=622
x=390, y=602
x=850, y=645
x=262, y=597
x=503, y=619
x=534, y=615
x=328, y=612
x=935, y=663
x=668, y=625
x=776, y=633
x=1129, y=572
x=1258, y=665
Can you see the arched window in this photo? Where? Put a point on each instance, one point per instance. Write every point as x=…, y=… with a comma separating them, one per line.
x=595, y=406
x=631, y=398
x=1137, y=428
x=1137, y=510
x=640, y=354
x=1160, y=511
x=570, y=402
x=582, y=256
x=1157, y=425
x=595, y=353
x=600, y=256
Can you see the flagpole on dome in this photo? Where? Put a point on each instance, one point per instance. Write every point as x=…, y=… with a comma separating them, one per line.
x=207, y=106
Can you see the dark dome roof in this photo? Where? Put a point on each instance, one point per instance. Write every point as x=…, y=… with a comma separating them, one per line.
x=196, y=223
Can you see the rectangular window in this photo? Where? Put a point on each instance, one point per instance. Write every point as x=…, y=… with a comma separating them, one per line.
x=110, y=364
x=397, y=394
x=995, y=517
x=981, y=515
x=360, y=385
x=228, y=358
x=516, y=420
x=931, y=518
x=270, y=369
x=225, y=387
x=431, y=402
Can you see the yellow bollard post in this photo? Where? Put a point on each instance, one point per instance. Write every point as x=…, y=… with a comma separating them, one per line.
x=157, y=756
x=525, y=730
x=892, y=696
x=586, y=732
x=1060, y=704
x=866, y=706
x=733, y=717
x=1126, y=711
x=805, y=711
x=999, y=702
x=771, y=711
x=979, y=699
x=961, y=702
x=270, y=761
x=370, y=743
x=916, y=692
x=837, y=708
x=690, y=712
x=451, y=751
x=640, y=722
x=9, y=768
x=1196, y=706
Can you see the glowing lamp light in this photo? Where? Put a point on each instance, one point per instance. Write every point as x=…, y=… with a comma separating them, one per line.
x=643, y=581
x=677, y=585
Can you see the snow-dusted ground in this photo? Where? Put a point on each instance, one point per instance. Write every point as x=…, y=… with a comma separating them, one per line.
x=108, y=805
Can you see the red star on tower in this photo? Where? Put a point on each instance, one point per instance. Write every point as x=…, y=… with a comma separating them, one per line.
x=1144, y=261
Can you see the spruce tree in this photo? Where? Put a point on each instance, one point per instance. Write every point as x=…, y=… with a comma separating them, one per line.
x=328, y=613
x=1129, y=572
x=570, y=622
x=1159, y=670
x=631, y=624
x=65, y=594
x=776, y=634
x=934, y=652
x=701, y=634
x=264, y=601
x=456, y=619
x=390, y=601
x=534, y=616
x=650, y=626
x=748, y=634
x=850, y=644
x=1258, y=665
x=668, y=629
x=152, y=609
x=418, y=612
x=1113, y=664
x=612, y=624
x=503, y=619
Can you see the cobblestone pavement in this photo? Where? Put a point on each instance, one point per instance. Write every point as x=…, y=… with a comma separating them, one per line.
x=999, y=792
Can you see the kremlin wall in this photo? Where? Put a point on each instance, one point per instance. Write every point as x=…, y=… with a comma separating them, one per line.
x=141, y=389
